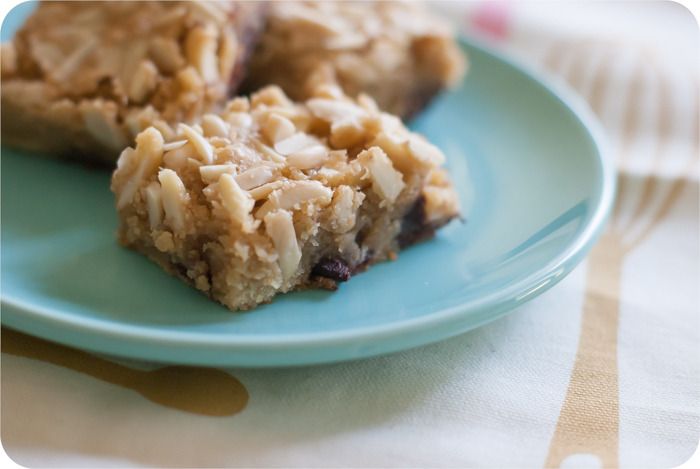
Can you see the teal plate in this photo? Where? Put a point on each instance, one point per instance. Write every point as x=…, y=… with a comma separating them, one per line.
x=536, y=188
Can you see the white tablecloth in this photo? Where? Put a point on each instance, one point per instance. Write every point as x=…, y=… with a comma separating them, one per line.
x=603, y=370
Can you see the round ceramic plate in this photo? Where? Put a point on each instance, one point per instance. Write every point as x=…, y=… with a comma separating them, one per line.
x=535, y=188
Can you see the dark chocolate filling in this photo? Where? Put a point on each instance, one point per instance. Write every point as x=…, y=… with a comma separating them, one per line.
x=414, y=226
x=333, y=268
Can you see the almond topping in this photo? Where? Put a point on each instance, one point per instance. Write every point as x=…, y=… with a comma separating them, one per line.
x=166, y=54
x=342, y=216
x=177, y=158
x=154, y=204
x=203, y=148
x=440, y=203
x=214, y=126
x=294, y=193
x=143, y=81
x=228, y=53
x=211, y=173
x=255, y=177
x=426, y=153
x=239, y=119
x=278, y=128
x=146, y=156
x=333, y=109
x=307, y=158
x=200, y=50
x=236, y=201
x=270, y=96
x=280, y=228
x=71, y=63
x=295, y=143
x=174, y=196
x=386, y=181
x=265, y=190
x=174, y=145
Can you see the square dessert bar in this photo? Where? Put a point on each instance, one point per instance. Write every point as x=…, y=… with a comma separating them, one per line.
x=272, y=196
x=81, y=79
x=397, y=52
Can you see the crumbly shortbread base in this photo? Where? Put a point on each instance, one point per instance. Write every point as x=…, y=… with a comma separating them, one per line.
x=273, y=196
x=81, y=79
x=397, y=52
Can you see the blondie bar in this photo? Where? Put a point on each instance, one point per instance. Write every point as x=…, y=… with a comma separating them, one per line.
x=271, y=195
x=397, y=52
x=81, y=79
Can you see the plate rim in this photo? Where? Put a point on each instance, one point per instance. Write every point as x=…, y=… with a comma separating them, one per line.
x=100, y=332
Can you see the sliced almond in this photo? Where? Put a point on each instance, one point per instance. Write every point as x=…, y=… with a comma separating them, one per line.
x=270, y=96
x=295, y=143
x=367, y=103
x=240, y=120
x=277, y=128
x=211, y=173
x=425, y=152
x=255, y=177
x=143, y=82
x=154, y=204
x=176, y=158
x=174, y=145
x=146, y=157
x=174, y=197
x=440, y=203
x=386, y=181
x=238, y=104
x=308, y=158
x=200, y=51
x=189, y=81
x=395, y=146
x=333, y=109
x=165, y=53
x=214, y=126
x=343, y=214
x=237, y=202
x=347, y=133
x=69, y=65
x=100, y=120
x=207, y=11
x=228, y=54
x=346, y=41
x=165, y=129
x=265, y=190
x=201, y=146
x=280, y=228
x=294, y=193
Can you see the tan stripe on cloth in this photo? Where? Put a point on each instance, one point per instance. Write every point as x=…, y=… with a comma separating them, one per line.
x=588, y=425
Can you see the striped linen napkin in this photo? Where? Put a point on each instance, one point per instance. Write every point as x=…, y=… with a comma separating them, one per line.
x=601, y=371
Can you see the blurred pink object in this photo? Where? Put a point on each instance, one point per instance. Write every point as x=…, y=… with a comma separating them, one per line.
x=492, y=19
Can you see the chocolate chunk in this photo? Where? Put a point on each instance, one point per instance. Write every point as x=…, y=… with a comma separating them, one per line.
x=333, y=268
x=181, y=270
x=414, y=226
